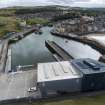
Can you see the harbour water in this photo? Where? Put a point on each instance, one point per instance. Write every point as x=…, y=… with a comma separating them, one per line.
x=78, y=50
x=31, y=49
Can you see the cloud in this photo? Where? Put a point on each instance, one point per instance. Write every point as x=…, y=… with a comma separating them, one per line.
x=86, y=3
x=68, y=2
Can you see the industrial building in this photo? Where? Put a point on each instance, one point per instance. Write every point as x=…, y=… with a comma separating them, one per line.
x=93, y=74
x=53, y=79
x=58, y=77
x=80, y=75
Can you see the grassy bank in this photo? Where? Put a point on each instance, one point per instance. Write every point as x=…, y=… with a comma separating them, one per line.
x=34, y=21
x=92, y=100
x=7, y=12
x=97, y=100
x=8, y=24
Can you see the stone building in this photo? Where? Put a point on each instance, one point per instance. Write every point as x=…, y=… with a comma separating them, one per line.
x=82, y=25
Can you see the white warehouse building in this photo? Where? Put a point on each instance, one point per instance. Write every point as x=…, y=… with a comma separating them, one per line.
x=58, y=77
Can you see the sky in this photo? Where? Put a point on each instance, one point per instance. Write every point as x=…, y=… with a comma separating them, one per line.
x=74, y=3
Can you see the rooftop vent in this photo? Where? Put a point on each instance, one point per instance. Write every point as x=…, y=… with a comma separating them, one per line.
x=92, y=65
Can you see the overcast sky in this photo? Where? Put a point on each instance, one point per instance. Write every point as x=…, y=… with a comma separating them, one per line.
x=79, y=3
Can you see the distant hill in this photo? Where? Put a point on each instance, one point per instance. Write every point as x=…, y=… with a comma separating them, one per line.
x=35, y=7
x=51, y=8
x=55, y=7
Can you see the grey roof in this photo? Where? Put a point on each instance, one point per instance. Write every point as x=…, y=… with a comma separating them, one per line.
x=89, y=66
x=56, y=71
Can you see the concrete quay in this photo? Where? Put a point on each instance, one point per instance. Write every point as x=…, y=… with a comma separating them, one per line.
x=4, y=56
x=14, y=86
x=84, y=39
x=93, y=43
x=8, y=62
x=57, y=50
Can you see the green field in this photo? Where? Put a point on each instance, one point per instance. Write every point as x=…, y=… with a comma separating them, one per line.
x=8, y=24
x=99, y=100
x=91, y=100
x=34, y=21
x=7, y=12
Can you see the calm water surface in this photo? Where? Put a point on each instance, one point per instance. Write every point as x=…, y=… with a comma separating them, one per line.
x=32, y=50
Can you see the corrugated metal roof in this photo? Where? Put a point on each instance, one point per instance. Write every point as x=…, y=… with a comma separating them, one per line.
x=56, y=71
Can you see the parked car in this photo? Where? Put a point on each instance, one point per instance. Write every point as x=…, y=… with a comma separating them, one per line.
x=32, y=89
